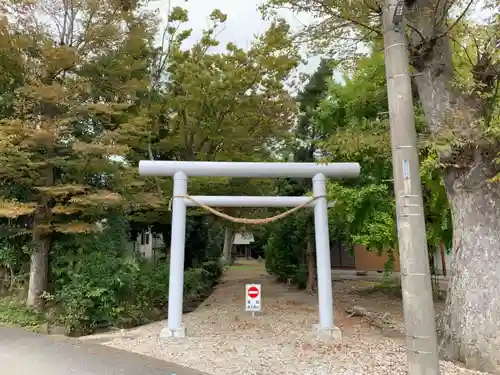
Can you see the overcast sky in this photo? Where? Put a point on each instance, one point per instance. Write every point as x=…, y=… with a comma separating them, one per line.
x=242, y=23
x=243, y=20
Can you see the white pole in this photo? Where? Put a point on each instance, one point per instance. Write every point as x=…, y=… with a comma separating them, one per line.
x=418, y=305
x=324, y=269
x=177, y=244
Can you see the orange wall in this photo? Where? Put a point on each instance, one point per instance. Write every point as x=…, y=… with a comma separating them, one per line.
x=371, y=261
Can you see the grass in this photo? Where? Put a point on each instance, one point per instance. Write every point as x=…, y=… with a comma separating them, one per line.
x=247, y=265
x=13, y=313
x=389, y=287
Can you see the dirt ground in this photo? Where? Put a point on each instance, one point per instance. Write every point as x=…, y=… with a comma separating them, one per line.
x=224, y=339
x=373, y=297
x=346, y=294
x=383, y=300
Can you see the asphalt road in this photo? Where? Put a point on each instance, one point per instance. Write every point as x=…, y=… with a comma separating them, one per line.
x=26, y=353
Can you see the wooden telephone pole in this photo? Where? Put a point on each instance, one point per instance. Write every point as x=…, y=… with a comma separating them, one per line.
x=418, y=306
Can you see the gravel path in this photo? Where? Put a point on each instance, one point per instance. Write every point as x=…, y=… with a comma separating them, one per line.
x=224, y=340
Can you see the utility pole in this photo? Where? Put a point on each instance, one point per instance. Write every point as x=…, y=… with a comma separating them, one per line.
x=418, y=306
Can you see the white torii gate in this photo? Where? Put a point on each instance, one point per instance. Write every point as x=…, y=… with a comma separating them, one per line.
x=181, y=170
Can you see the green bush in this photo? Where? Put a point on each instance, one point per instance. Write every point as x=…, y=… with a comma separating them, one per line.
x=299, y=276
x=95, y=283
x=98, y=287
x=196, y=281
x=155, y=280
x=285, y=250
x=125, y=292
x=214, y=268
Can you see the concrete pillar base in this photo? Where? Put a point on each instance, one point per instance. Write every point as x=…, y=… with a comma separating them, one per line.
x=166, y=333
x=328, y=335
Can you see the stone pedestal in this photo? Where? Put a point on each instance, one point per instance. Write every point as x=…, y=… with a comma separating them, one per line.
x=170, y=333
x=328, y=336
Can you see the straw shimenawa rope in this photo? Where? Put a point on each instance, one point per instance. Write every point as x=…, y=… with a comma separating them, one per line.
x=241, y=220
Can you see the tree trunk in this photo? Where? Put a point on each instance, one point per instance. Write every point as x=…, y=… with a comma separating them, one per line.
x=469, y=327
x=442, y=251
x=4, y=279
x=38, y=271
x=311, y=263
x=470, y=323
x=166, y=232
x=228, y=245
x=42, y=238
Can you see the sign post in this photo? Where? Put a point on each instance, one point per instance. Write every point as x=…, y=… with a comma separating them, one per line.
x=253, y=298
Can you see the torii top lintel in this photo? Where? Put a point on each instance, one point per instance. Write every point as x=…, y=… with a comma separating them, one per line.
x=248, y=169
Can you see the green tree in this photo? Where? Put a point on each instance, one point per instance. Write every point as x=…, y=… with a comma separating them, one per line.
x=59, y=136
x=455, y=65
x=206, y=105
x=296, y=259
x=355, y=117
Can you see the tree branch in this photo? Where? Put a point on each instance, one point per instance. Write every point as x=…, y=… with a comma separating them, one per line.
x=493, y=99
x=414, y=29
x=461, y=17
x=327, y=10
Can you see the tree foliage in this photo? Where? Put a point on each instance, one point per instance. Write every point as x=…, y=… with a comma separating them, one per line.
x=346, y=119
x=356, y=114
x=295, y=260
x=85, y=95
x=213, y=105
x=455, y=68
x=355, y=118
x=58, y=136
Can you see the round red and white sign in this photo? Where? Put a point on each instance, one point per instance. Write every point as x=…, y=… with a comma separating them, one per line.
x=253, y=292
